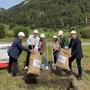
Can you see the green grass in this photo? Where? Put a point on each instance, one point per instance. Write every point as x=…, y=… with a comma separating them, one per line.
x=86, y=65
x=48, y=38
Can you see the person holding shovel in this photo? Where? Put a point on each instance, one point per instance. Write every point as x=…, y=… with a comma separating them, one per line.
x=14, y=52
x=42, y=46
x=55, y=46
x=33, y=44
x=76, y=53
x=63, y=41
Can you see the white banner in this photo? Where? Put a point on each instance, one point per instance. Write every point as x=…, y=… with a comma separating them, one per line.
x=3, y=52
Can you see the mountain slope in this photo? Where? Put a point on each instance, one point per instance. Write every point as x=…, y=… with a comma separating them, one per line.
x=2, y=9
x=48, y=13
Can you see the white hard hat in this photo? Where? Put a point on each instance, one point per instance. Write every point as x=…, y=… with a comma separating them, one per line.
x=21, y=34
x=60, y=33
x=35, y=31
x=42, y=35
x=73, y=32
x=55, y=37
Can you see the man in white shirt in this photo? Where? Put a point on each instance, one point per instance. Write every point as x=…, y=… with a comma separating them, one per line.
x=33, y=42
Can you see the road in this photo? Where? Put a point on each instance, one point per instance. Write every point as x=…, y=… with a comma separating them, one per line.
x=85, y=43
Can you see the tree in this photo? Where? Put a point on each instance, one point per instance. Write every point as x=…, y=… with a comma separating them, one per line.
x=2, y=31
x=48, y=13
x=18, y=29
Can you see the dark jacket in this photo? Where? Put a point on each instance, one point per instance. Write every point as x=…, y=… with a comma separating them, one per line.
x=76, y=49
x=16, y=48
x=64, y=42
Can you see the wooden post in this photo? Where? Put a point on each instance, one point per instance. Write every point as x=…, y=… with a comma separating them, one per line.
x=86, y=20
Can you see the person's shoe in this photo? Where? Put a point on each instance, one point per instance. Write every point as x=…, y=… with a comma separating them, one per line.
x=25, y=68
x=42, y=67
x=47, y=67
x=13, y=75
x=79, y=78
x=69, y=73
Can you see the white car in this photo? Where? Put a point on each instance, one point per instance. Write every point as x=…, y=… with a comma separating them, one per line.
x=4, y=58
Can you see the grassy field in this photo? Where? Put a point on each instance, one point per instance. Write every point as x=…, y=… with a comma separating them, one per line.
x=7, y=39
x=7, y=82
x=86, y=65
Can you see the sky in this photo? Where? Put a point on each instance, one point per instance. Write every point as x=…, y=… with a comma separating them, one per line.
x=9, y=3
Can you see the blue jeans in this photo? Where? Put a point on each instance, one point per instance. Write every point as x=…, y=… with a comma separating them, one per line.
x=43, y=56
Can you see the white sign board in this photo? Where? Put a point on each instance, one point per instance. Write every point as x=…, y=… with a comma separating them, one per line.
x=62, y=59
x=37, y=63
x=3, y=52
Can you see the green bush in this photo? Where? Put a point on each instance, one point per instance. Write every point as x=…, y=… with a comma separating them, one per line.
x=85, y=33
x=18, y=29
x=2, y=31
x=11, y=26
x=10, y=34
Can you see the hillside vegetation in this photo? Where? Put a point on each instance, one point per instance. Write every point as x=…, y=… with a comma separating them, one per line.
x=48, y=13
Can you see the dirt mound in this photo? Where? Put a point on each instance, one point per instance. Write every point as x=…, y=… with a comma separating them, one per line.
x=50, y=79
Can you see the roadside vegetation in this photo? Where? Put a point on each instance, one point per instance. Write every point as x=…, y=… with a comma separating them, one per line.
x=8, y=33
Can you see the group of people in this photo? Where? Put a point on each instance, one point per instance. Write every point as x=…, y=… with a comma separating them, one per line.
x=76, y=49
x=37, y=42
